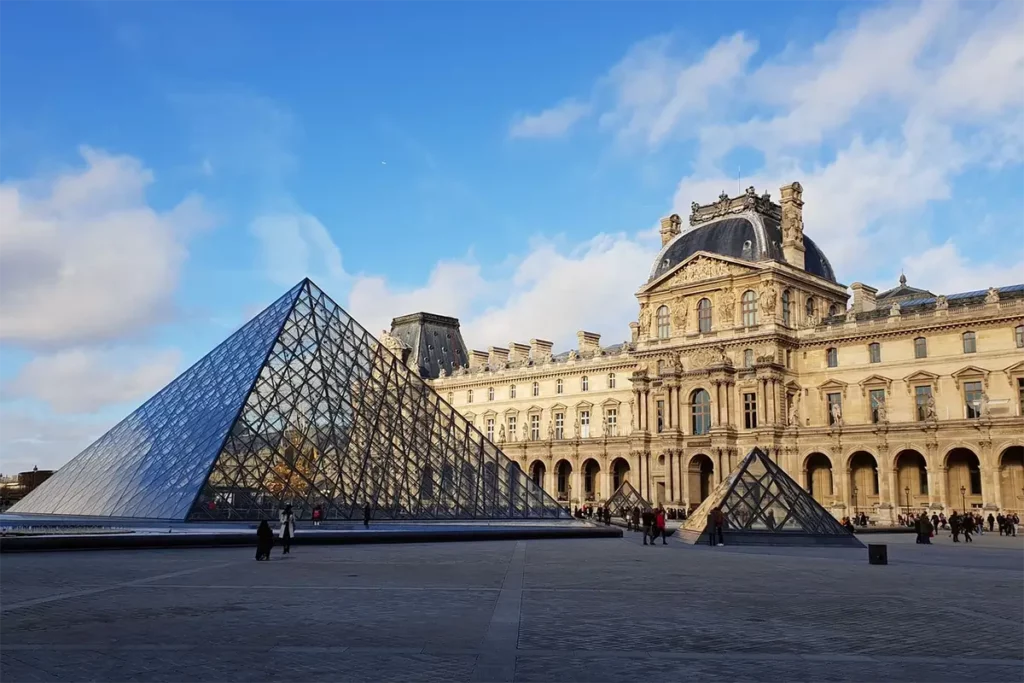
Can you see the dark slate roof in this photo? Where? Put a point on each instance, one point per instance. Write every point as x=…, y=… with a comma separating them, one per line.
x=738, y=237
x=903, y=292
x=928, y=303
x=435, y=340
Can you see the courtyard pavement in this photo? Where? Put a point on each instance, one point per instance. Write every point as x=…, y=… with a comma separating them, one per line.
x=546, y=610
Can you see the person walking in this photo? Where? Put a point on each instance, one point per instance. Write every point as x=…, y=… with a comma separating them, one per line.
x=264, y=541
x=648, y=521
x=287, y=519
x=636, y=518
x=367, y=511
x=659, y=526
x=991, y=522
x=317, y=515
x=954, y=526
x=718, y=524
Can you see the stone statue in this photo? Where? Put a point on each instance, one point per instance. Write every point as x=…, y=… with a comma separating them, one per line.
x=794, y=410
x=837, y=415
x=929, y=408
x=576, y=428
x=681, y=313
x=895, y=308
x=442, y=373
x=881, y=411
x=632, y=414
x=551, y=431
x=983, y=405
x=501, y=433
x=526, y=431
x=573, y=355
x=992, y=296
x=940, y=302
x=851, y=316
x=769, y=298
x=726, y=303
x=645, y=320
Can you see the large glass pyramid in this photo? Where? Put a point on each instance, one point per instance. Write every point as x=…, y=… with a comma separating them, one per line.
x=300, y=406
x=626, y=498
x=762, y=505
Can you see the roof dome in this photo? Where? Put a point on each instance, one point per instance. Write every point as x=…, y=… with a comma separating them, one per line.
x=749, y=235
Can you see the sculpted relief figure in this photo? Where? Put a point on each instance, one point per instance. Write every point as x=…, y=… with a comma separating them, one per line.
x=551, y=430
x=881, y=411
x=726, y=304
x=442, y=373
x=929, y=408
x=794, y=409
x=576, y=428
x=645, y=320
x=837, y=415
x=680, y=314
x=526, y=431
x=769, y=298
x=501, y=433
x=792, y=224
x=984, y=406
x=941, y=303
x=992, y=295
x=632, y=414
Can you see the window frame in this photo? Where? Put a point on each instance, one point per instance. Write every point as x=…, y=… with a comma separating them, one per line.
x=490, y=393
x=1018, y=336
x=559, y=386
x=750, y=410
x=832, y=357
x=469, y=395
x=828, y=405
x=873, y=404
x=611, y=421
x=874, y=352
x=511, y=391
x=512, y=424
x=748, y=307
x=921, y=394
x=700, y=412
x=585, y=424
x=559, y=418
x=585, y=383
x=748, y=358
x=972, y=388
x=920, y=347
x=704, y=315
x=970, y=339
x=663, y=318
x=787, y=312
x=536, y=389
x=535, y=427
x=611, y=380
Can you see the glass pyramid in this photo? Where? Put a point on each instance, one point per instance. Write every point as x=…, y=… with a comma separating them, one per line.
x=762, y=504
x=300, y=406
x=626, y=498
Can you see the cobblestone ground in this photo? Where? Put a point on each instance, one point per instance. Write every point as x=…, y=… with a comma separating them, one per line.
x=573, y=610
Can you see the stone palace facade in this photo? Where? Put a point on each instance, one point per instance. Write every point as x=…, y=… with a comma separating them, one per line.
x=876, y=403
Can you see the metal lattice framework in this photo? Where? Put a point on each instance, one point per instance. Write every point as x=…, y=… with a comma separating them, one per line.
x=759, y=498
x=626, y=498
x=300, y=406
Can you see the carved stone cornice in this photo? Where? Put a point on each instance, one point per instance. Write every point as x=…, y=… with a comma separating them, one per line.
x=726, y=205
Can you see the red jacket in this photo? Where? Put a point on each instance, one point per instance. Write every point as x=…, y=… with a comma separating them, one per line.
x=659, y=521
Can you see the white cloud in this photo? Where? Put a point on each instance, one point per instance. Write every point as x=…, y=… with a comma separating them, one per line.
x=550, y=123
x=296, y=245
x=944, y=270
x=87, y=380
x=84, y=258
x=27, y=441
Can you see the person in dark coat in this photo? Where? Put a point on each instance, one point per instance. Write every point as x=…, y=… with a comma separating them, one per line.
x=366, y=515
x=264, y=541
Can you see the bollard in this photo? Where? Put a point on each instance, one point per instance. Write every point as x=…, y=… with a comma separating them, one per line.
x=878, y=554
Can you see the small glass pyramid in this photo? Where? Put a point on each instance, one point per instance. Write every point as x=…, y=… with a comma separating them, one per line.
x=762, y=505
x=300, y=406
x=626, y=498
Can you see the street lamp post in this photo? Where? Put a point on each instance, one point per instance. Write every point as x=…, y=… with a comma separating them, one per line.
x=855, y=508
x=963, y=499
x=906, y=492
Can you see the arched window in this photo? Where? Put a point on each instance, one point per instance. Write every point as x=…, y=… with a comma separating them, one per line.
x=490, y=393
x=611, y=380
x=512, y=391
x=810, y=307
x=748, y=358
x=584, y=383
x=832, y=357
x=970, y=342
x=833, y=310
x=704, y=315
x=749, y=308
x=787, y=315
x=1018, y=336
x=559, y=386
x=700, y=409
x=664, y=328
x=469, y=396
x=874, y=352
x=536, y=388
x=920, y=348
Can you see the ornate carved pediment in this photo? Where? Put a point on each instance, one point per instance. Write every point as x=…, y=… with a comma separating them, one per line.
x=875, y=382
x=702, y=358
x=970, y=373
x=611, y=402
x=700, y=268
x=534, y=409
x=511, y=411
x=832, y=386
x=584, y=405
x=1014, y=370
x=921, y=377
x=726, y=205
x=558, y=406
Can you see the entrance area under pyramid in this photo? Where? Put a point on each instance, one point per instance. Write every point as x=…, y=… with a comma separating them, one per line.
x=762, y=505
x=300, y=406
x=626, y=498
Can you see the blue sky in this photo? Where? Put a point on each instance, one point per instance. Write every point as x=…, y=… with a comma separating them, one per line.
x=170, y=168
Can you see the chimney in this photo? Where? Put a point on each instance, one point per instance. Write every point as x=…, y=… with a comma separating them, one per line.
x=792, y=204
x=519, y=352
x=498, y=357
x=589, y=342
x=670, y=227
x=540, y=350
x=477, y=360
x=863, y=297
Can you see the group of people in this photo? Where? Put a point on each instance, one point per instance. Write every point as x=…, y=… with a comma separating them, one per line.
x=589, y=511
x=286, y=530
x=966, y=524
x=651, y=522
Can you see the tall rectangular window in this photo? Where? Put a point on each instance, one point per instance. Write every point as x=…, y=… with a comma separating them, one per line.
x=511, y=427
x=584, y=383
x=975, y=481
x=835, y=399
x=920, y=348
x=1018, y=336
x=469, y=396
x=922, y=480
x=585, y=424
x=535, y=428
x=972, y=399
x=1020, y=395
x=490, y=429
x=832, y=357
x=921, y=396
x=559, y=425
x=970, y=342
x=750, y=410
x=875, y=353
x=877, y=398
x=611, y=420
x=661, y=416
x=789, y=359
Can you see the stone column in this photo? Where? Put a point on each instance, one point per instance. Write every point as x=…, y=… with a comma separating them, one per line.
x=937, y=489
x=606, y=481
x=996, y=497
x=577, y=487
x=846, y=489
x=671, y=477
x=685, y=476
x=893, y=479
